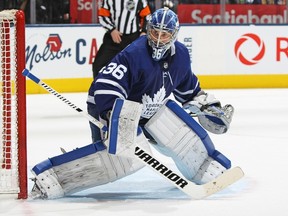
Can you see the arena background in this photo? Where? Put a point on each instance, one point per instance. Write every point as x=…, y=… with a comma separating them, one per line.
x=223, y=56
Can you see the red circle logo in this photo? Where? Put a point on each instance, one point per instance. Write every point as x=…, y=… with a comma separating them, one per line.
x=239, y=52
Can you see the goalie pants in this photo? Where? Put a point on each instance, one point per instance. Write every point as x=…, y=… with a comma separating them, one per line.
x=95, y=131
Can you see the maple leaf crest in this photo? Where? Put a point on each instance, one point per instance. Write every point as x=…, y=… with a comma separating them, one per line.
x=151, y=105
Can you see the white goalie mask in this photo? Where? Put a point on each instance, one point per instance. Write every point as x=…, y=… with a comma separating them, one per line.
x=162, y=31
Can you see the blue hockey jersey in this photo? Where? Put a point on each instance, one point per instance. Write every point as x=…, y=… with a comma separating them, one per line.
x=134, y=75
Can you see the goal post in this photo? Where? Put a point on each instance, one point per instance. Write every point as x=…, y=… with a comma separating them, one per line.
x=13, y=153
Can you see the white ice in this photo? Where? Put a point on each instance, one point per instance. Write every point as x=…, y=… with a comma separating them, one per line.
x=257, y=142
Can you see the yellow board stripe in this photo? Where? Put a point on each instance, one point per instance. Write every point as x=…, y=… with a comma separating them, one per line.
x=70, y=85
x=244, y=81
x=67, y=85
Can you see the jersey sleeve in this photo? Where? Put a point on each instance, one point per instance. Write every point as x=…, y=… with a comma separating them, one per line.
x=190, y=85
x=114, y=81
x=188, y=89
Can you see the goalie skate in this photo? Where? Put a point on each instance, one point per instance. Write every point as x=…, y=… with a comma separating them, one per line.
x=36, y=192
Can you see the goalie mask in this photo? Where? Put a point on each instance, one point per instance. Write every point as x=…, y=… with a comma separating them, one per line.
x=162, y=30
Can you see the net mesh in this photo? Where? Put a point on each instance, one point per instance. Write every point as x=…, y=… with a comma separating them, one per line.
x=9, y=182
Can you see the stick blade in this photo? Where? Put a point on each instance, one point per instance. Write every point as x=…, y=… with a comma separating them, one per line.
x=221, y=182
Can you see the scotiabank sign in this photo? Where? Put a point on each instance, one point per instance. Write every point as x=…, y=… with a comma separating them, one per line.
x=236, y=49
x=81, y=11
x=279, y=47
x=235, y=14
x=241, y=42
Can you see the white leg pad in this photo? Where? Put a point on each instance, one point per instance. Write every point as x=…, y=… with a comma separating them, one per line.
x=182, y=138
x=175, y=139
x=50, y=186
x=93, y=170
x=96, y=168
x=123, y=127
x=208, y=171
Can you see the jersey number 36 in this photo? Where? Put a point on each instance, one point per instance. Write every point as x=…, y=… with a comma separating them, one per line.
x=115, y=70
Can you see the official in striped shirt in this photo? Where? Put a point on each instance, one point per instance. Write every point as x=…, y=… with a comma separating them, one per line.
x=125, y=21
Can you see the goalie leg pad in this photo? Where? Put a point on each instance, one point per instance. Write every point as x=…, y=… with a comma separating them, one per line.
x=182, y=138
x=208, y=171
x=123, y=127
x=80, y=169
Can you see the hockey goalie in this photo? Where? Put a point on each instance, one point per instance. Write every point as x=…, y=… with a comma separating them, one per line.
x=131, y=96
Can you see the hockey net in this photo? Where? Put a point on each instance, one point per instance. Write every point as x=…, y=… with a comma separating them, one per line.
x=13, y=160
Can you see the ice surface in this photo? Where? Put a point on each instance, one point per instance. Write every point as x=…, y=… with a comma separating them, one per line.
x=257, y=141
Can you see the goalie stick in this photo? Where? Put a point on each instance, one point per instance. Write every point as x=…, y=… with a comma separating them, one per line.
x=229, y=177
x=63, y=99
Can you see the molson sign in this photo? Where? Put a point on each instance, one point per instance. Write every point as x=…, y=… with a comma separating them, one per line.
x=235, y=14
x=62, y=51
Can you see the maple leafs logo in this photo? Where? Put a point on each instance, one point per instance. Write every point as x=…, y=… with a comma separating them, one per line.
x=151, y=105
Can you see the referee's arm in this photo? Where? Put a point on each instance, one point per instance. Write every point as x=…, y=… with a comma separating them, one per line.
x=105, y=19
x=143, y=21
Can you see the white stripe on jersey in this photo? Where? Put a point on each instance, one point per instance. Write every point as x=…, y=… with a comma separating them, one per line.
x=114, y=84
x=90, y=99
x=109, y=92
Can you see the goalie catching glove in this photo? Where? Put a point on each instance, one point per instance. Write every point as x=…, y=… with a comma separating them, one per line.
x=211, y=115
